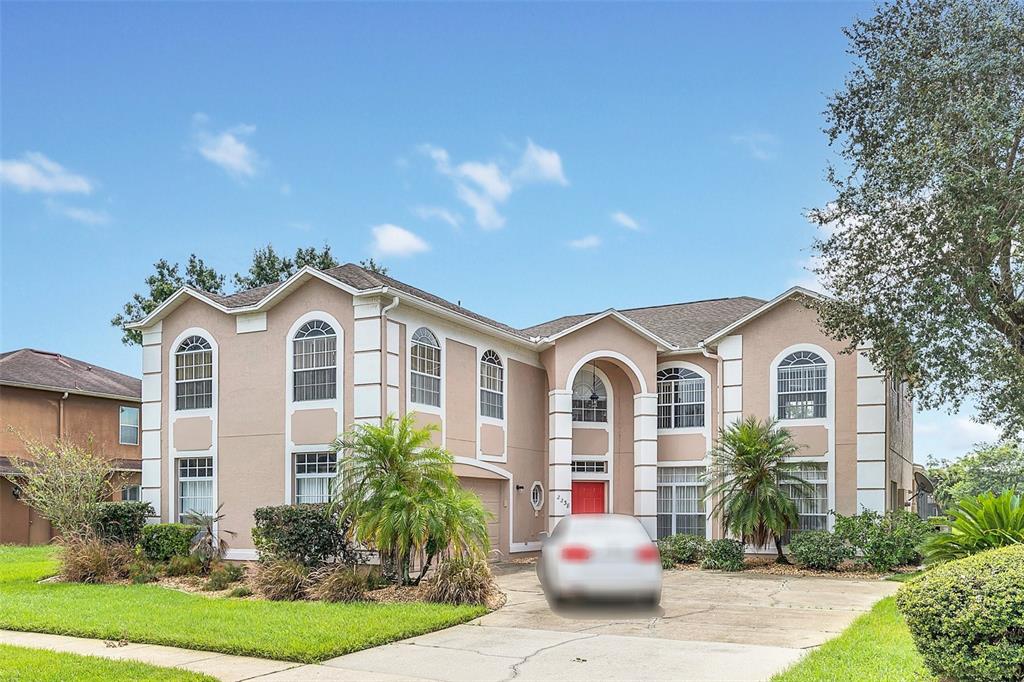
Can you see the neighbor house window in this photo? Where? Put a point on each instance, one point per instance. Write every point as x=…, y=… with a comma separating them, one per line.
x=193, y=374
x=492, y=386
x=803, y=380
x=680, y=398
x=425, y=368
x=681, y=501
x=129, y=422
x=315, y=362
x=811, y=500
x=314, y=472
x=589, y=397
x=131, y=493
x=195, y=485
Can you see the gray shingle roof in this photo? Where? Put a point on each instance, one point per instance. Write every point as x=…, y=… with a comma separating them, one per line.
x=31, y=367
x=683, y=324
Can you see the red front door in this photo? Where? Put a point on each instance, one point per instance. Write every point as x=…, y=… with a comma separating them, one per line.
x=588, y=497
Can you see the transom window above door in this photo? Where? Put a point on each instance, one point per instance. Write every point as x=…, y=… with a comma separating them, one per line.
x=680, y=398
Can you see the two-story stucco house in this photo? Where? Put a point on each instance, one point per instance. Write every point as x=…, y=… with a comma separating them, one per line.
x=599, y=412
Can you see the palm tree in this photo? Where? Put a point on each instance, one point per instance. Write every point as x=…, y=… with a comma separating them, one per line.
x=748, y=471
x=403, y=497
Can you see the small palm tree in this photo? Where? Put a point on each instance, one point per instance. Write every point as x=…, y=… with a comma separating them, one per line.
x=977, y=524
x=746, y=478
x=402, y=494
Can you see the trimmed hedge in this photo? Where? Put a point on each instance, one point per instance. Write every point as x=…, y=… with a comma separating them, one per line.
x=162, y=541
x=681, y=549
x=724, y=555
x=967, y=616
x=310, y=534
x=122, y=522
x=819, y=549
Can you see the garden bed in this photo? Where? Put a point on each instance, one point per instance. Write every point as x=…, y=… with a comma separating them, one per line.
x=848, y=569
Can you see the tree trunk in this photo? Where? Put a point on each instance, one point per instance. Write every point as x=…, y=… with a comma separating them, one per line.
x=781, y=559
x=426, y=567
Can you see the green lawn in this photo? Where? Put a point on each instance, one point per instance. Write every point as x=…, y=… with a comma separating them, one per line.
x=877, y=647
x=18, y=664
x=292, y=631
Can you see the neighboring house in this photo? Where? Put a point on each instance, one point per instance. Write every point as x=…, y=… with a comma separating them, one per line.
x=612, y=411
x=45, y=396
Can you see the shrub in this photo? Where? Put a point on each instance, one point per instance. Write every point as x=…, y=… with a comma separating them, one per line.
x=461, y=580
x=141, y=571
x=310, y=534
x=820, y=550
x=884, y=541
x=161, y=541
x=681, y=549
x=122, y=521
x=184, y=565
x=337, y=583
x=90, y=560
x=222, y=576
x=977, y=524
x=966, y=616
x=723, y=555
x=241, y=591
x=282, y=579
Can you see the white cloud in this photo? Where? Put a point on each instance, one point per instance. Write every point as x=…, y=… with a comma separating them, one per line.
x=484, y=185
x=591, y=241
x=626, y=220
x=226, y=148
x=35, y=172
x=437, y=213
x=392, y=240
x=539, y=165
x=300, y=226
x=949, y=436
x=761, y=146
x=86, y=215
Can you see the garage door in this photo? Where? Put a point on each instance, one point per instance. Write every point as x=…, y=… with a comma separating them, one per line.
x=489, y=492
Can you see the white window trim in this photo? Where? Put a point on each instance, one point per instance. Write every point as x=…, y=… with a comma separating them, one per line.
x=605, y=425
x=830, y=386
x=339, y=336
x=708, y=505
x=537, y=506
x=704, y=374
x=137, y=426
x=296, y=475
x=179, y=513
x=492, y=421
x=504, y=388
x=423, y=407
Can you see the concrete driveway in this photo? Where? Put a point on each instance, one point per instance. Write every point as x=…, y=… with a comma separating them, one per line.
x=712, y=626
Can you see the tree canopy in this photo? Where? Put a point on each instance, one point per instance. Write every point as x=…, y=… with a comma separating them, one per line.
x=986, y=469
x=924, y=253
x=269, y=268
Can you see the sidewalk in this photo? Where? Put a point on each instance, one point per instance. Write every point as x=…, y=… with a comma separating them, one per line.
x=222, y=666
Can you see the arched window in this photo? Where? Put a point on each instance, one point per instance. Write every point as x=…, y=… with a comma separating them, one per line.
x=802, y=386
x=315, y=362
x=589, y=397
x=193, y=374
x=680, y=398
x=492, y=386
x=425, y=368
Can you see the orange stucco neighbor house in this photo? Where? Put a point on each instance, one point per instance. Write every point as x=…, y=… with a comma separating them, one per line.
x=44, y=396
x=612, y=411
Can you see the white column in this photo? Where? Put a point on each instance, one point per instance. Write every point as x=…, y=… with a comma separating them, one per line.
x=559, y=497
x=730, y=349
x=645, y=460
x=393, y=398
x=151, y=417
x=367, y=370
x=871, y=446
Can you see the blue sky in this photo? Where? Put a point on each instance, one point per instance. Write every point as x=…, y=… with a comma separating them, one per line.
x=610, y=155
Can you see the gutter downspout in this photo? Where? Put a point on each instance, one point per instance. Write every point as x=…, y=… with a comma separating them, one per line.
x=60, y=415
x=384, y=353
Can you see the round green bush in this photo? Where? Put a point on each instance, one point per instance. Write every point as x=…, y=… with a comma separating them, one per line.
x=819, y=549
x=967, y=616
x=161, y=541
x=681, y=549
x=723, y=555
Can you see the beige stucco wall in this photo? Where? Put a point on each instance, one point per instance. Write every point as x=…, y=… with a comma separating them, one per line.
x=684, y=447
x=492, y=440
x=622, y=439
x=607, y=335
x=589, y=442
x=460, y=398
x=899, y=441
x=813, y=440
x=527, y=420
x=193, y=433
x=313, y=427
x=424, y=419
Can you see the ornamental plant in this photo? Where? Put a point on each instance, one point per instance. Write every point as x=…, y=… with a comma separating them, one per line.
x=977, y=524
x=820, y=550
x=884, y=541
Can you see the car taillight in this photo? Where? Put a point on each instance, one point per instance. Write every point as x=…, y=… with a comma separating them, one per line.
x=648, y=553
x=575, y=553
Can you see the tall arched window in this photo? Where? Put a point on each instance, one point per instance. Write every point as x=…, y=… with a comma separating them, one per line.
x=680, y=398
x=492, y=386
x=193, y=374
x=315, y=362
x=425, y=368
x=589, y=397
x=802, y=386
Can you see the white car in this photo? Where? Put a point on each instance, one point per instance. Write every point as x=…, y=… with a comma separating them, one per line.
x=600, y=556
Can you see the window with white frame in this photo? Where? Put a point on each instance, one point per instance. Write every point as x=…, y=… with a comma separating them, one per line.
x=492, y=386
x=425, y=368
x=812, y=499
x=589, y=466
x=680, y=398
x=314, y=474
x=131, y=493
x=589, y=397
x=681, y=501
x=315, y=362
x=537, y=495
x=195, y=485
x=802, y=386
x=128, y=426
x=193, y=374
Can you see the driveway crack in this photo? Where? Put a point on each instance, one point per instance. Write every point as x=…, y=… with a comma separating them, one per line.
x=515, y=666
